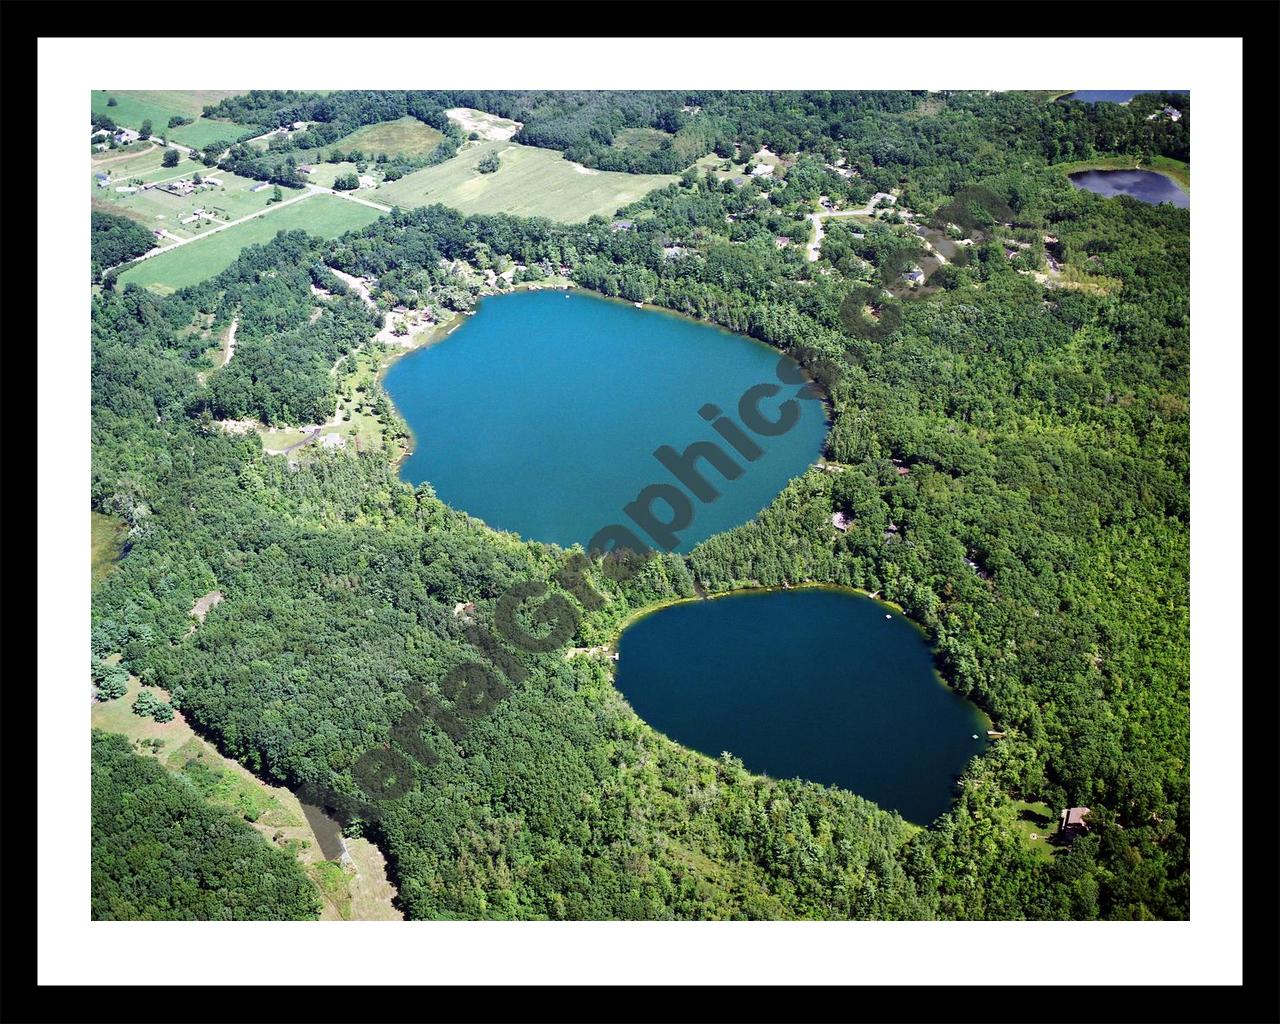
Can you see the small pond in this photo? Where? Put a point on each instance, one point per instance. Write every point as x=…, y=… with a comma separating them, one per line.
x=820, y=683
x=1147, y=186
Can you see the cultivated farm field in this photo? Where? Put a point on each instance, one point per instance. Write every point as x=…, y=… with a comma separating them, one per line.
x=530, y=182
x=407, y=136
x=322, y=215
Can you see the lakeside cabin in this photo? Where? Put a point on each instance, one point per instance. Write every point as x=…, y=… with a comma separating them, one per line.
x=840, y=521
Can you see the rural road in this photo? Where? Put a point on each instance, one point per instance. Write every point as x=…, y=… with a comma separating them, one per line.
x=315, y=432
x=818, y=218
x=350, y=197
x=311, y=191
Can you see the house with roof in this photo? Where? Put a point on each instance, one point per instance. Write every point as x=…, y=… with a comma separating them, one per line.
x=622, y=225
x=102, y=178
x=840, y=521
x=1073, y=823
x=126, y=135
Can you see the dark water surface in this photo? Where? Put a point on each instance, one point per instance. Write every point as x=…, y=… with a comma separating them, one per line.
x=1148, y=186
x=542, y=412
x=327, y=830
x=1114, y=95
x=815, y=683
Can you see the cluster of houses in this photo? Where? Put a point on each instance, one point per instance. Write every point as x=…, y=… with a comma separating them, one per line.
x=183, y=187
x=840, y=168
x=101, y=139
x=198, y=214
x=1172, y=113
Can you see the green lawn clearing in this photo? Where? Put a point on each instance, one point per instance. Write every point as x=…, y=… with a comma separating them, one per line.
x=107, y=537
x=319, y=214
x=529, y=182
x=135, y=106
x=407, y=136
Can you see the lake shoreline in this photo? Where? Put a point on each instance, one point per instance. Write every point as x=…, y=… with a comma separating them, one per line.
x=1181, y=177
x=439, y=332
x=815, y=664
x=639, y=614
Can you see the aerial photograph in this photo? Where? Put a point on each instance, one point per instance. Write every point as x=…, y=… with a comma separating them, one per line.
x=639, y=505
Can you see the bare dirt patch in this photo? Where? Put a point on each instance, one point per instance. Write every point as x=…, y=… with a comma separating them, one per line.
x=487, y=126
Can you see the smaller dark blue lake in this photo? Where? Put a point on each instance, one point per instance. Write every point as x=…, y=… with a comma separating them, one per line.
x=1115, y=95
x=816, y=683
x=1147, y=186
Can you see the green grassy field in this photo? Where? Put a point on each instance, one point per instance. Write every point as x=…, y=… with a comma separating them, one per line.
x=325, y=174
x=322, y=215
x=408, y=136
x=135, y=160
x=106, y=542
x=530, y=182
x=1036, y=823
x=639, y=140
x=715, y=164
x=133, y=107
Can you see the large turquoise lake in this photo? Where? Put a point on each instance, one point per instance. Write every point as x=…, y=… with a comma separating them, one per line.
x=814, y=683
x=541, y=414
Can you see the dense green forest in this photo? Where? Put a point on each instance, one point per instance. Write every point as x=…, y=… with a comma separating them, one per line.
x=1041, y=528
x=888, y=133
x=160, y=853
x=114, y=240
